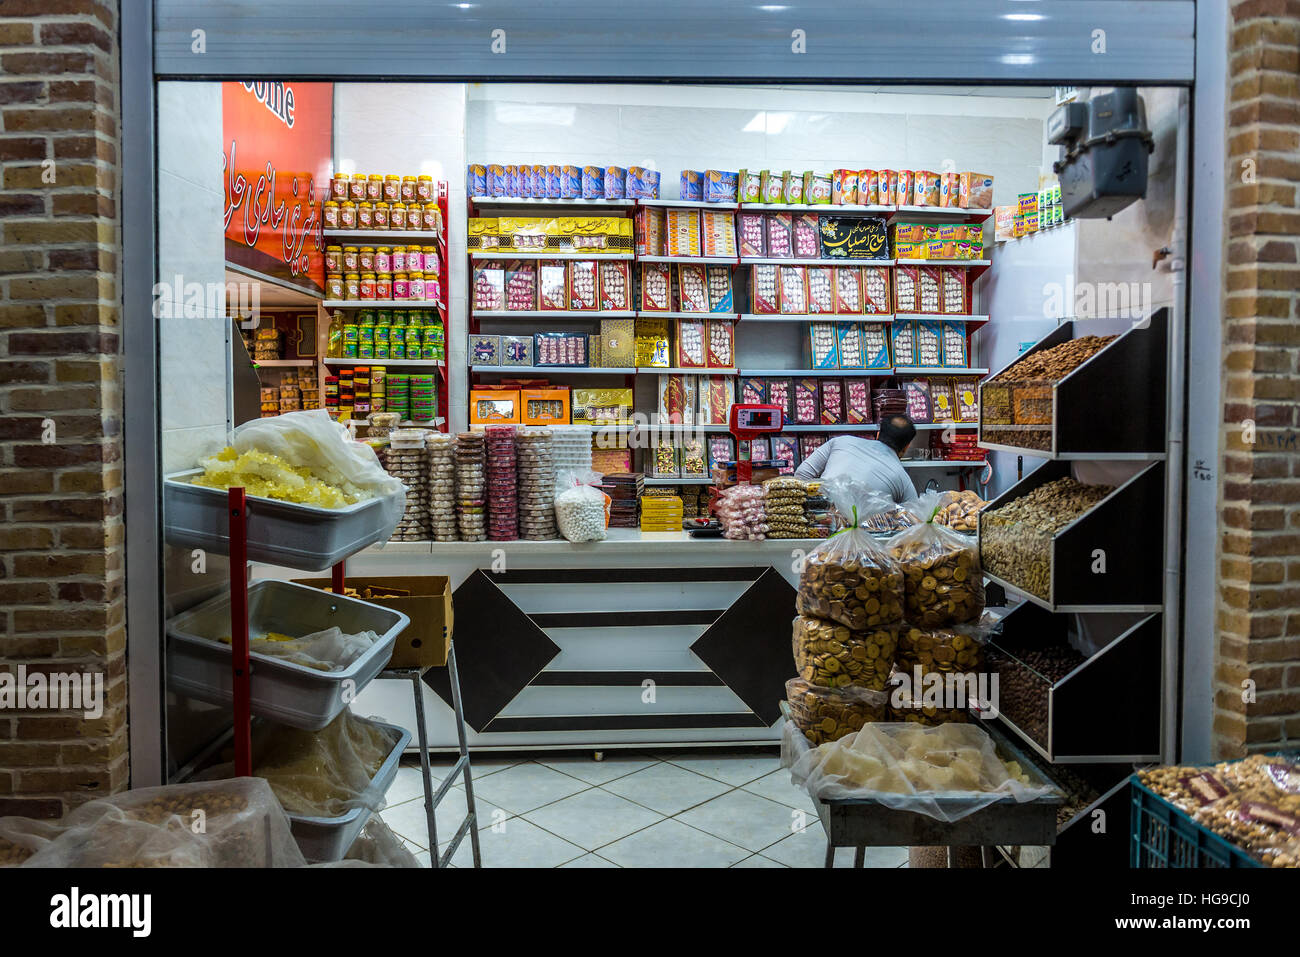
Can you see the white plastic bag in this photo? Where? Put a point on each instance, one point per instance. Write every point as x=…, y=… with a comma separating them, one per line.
x=328, y=650
x=908, y=767
x=580, y=506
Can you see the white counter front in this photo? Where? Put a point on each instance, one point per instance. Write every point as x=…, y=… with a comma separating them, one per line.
x=649, y=638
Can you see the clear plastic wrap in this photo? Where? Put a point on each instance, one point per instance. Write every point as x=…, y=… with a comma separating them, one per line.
x=910, y=768
x=378, y=846
x=833, y=656
x=328, y=650
x=581, y=509
x=231, y=823
x=849, y=578
x=827, y=714
x=742, y=512
x=958, y=648
x=943, y=584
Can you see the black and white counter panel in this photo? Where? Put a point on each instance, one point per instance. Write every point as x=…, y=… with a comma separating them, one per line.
x=644, y=638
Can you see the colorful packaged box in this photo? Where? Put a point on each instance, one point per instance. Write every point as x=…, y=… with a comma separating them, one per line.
x=853, y=237
x=785, y=449
x=485, y=350
x=496, y=180
x=642, y=183
x=720, y=344
x=651, y=231
x=876, y=291
x=692, y=458
x=559, y=349
x=844, y=187
x=823, y=352
x=617, y=343
x=942, y=405
x=615, y=285
x=805, y=407
x=717, y=396
x=593, y=182
x=656, y=287
x=692, y=290
x=721, y=449
x=553, y=285
x=857, y=401
x=806, y=236
x=584, y=285
x=832, y=402
x=953, y=291
x=780, y=392
x=615, y=182
x=904, y=344
x=929, y=299
x=691, y=350
x=975, y=191
x=791, y=188
x=949, y=189
x=719, y=233
x=794, y=290
x=848, y=289
x=476, y=180
x=570, y=182
x=718, y=281
x=816, y=188
x=516, y=350
x=852, y=345
x=903, y=187
x=602, y=406
x=521, y=286
x=821, y=289
x=492, y=406
x=760, y=450
x=663, y=462
x=753, y=391
x=928, y=336
x=753, y=235
x=691, y=186
x=544, y=406
x=954, y=345
x=553, y=186
x=489, y=287
x=749, y=186
x=1028, y=203
x=771, y=186
x=652, y=346
x=764, y=293
x=675, y=406
x=683, y=232
x=720, y=186
x=780, y=235
x=906, y=282
x=537, y=181
x=966, y=394
x=925, y=188
x=869, y=188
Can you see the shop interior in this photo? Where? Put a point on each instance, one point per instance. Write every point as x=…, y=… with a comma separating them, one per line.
x=452, y=265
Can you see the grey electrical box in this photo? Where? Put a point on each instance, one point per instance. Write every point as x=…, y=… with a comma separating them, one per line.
x=1105, y=145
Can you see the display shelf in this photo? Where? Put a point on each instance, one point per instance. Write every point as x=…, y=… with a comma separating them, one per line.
x=1124, y=530
x=429, y=363
x=485, y=255
x=422, y=423
x=939, y=426
x=814, y=317
x=693, y=480
x=284, y=363
x=826, y=208
x=687, y=370
x=863, y=427
x=939, y=370
x=941, y=463
x=512, y=202
x=1122, y=385
x=691, y=260
x=669, y=427
x=949, y=212
x=685, y=204
x=553, y=370
x=943, y=262
x=383, y=304
x=790, y=261
x=930, y=316
x=852, y=373
x=552, y=314
x=1058, y=716
x=428, y=234
x=652, y=314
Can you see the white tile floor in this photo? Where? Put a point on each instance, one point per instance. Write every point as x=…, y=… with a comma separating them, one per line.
x=710, y=808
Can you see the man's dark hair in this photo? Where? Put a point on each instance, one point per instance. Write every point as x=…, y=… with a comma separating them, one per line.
x=897, y=432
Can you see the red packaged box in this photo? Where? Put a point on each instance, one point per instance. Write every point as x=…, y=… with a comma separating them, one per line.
x=876, y=300
x=691, y=348
x=764, y=293
x=806, y=233
x=780, y=236
x=952, y=291
x=584, y=285
x=615, y=286
x=794, y=290
x=804, y=402
x=832, y=399
x=857, y=401
x=553, y=286
x=656, y=287
x=821, y=289
x=721, y=344
x=692, y=290
x=752, y=235
x=907, y=280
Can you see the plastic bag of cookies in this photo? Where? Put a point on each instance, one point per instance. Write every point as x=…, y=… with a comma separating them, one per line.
x=828, y=714
x=943, y=583
x=831, y=655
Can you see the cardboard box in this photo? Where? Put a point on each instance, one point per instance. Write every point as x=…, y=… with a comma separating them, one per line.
x=544, y=406
x=427, y=639
x=494, y=406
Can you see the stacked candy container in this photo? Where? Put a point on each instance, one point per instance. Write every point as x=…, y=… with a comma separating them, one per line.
x=471, y=486
x=571, y=448
x=404, y=458
x=536, y=484
x=441, y=450
x=742, y=513
x=503, y=484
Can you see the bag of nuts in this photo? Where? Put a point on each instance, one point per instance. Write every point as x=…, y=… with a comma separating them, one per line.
x=849, y=578
x=831, y=656
x=828, y=714
x=942, y=580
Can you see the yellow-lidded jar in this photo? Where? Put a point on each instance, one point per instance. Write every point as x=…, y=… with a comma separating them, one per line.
x=374, y=187
x=424, y=188
x=365, y=214
x=381, y=215
x=339, y=186
x=366, y=259
x=351, y=259
x=348, y=215
x=351, y=286
x=397, y=216
x=357, y=187
x=408, y=189
x=331, y=214
x=392, y=188
x=333, y=259
x=383, y=260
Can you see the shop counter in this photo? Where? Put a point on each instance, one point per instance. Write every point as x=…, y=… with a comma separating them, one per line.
x=645, y=638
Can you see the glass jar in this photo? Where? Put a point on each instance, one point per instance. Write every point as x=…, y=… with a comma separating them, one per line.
x=383, y=286
x=424, y=188
x=392, y=188
x=333, y=259
x=381, y=215
x=431, y=264
x=415, y=285
x=397, y=216
x=408, y=189
x=401, y=286
x=339, y=187
x=374, y=187
x=399, y=259
x=348, y=215
x=430, y=218
x=366, y=259
x=351, y=286
x=334, y=286
x=414, y=259
x=365, y=214
x=357, y=187
x=351, y=259
x=331, y=214
x=366, y=289
x=383, y=259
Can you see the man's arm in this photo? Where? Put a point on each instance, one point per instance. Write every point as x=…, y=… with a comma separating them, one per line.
x=813, y=466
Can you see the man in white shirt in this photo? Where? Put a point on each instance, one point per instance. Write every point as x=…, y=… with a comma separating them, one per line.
x=870, y=461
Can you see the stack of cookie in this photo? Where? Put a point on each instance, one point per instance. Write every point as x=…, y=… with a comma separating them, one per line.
x=441, y=482
x=536, y=484
x=503, y=484
x=404, y=459
x=785, y=499
x=471, y=486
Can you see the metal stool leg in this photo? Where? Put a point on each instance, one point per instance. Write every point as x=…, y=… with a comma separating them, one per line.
x=464, y=753
x=859, y=856
x=423, y=731
x=830, y=853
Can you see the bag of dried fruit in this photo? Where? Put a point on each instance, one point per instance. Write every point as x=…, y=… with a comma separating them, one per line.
x=942, y=580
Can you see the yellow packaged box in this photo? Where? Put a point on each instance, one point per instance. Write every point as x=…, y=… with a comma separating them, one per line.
x=602, y=406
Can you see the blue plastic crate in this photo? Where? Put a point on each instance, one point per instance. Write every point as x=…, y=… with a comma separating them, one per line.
x=1160, y=835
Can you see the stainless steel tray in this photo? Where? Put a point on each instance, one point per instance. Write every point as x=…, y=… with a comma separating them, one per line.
x=198, y=665
x=328, y=838
x=279, y=533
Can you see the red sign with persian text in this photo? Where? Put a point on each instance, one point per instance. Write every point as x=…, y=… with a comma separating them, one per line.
x=276, y=164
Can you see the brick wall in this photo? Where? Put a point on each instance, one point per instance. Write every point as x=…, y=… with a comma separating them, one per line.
x=1259, y=521
x=61, y=532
